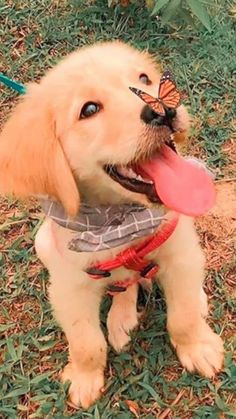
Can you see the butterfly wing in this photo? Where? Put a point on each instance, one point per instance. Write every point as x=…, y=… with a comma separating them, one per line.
x=151, y=101
x=168, y=93
x=158, y=108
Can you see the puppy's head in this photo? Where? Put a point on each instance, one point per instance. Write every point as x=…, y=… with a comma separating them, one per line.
x=82, y=131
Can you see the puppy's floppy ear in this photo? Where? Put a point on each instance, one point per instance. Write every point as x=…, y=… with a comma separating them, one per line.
x=32, y=161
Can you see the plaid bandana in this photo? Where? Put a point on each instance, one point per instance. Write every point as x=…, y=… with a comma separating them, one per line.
x=105, y=227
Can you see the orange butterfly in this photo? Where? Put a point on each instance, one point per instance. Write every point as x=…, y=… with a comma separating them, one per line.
x=168, y=95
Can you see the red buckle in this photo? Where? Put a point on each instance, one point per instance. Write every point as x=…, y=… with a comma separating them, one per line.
x=130, y=259
x=133, y=258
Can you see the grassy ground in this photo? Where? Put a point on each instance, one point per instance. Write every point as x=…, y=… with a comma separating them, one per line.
x=147, y=381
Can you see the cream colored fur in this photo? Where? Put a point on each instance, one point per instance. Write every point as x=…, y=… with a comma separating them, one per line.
x=46, y=150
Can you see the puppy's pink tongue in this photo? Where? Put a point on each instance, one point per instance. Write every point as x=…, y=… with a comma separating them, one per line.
x=181, y=185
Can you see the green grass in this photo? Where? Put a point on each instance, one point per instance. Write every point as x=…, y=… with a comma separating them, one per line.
x=33, y=36
x=33, y=347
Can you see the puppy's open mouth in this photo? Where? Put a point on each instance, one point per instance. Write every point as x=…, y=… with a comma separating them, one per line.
x=133, y=178
x=166, y=177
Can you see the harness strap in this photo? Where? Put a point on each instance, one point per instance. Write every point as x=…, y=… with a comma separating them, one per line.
x=18, y=87
x=133, y=257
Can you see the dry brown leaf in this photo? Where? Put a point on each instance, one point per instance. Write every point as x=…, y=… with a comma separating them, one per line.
x=133, y=407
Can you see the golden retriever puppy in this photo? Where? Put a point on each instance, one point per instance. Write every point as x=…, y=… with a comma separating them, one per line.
x=61, y=142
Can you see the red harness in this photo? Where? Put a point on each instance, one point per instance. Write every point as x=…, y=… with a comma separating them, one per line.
x=133, y=258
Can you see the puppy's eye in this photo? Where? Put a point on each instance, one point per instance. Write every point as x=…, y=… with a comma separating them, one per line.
x=89, y=109
x=144, y=79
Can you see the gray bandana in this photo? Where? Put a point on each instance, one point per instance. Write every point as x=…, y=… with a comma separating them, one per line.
x=105, y=227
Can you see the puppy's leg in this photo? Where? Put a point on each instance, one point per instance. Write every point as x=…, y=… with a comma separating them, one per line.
x=77, y=310
x=122, y=317
x=75, y=300
x=203, y=303
x=181, y=276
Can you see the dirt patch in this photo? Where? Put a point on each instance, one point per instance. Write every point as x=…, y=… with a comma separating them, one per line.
x=226, y=200
x=229, y=150
x=218, y=228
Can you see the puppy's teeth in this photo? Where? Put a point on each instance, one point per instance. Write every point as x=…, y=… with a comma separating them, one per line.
x=127, y=172
x=132, y=173
x=139, y=178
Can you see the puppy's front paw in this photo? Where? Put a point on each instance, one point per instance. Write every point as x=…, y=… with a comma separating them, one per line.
x=120, y=322
x=205, y=356
x=85, y=388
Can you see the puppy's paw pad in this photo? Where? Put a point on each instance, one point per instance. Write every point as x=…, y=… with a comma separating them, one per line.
x=85, y=388
x=206, y=357
x=120, y=323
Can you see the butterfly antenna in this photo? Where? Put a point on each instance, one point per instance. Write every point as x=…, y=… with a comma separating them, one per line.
x=135, y=90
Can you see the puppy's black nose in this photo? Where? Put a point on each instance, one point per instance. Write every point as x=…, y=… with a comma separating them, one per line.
x=170, y=113
x=150, y=117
